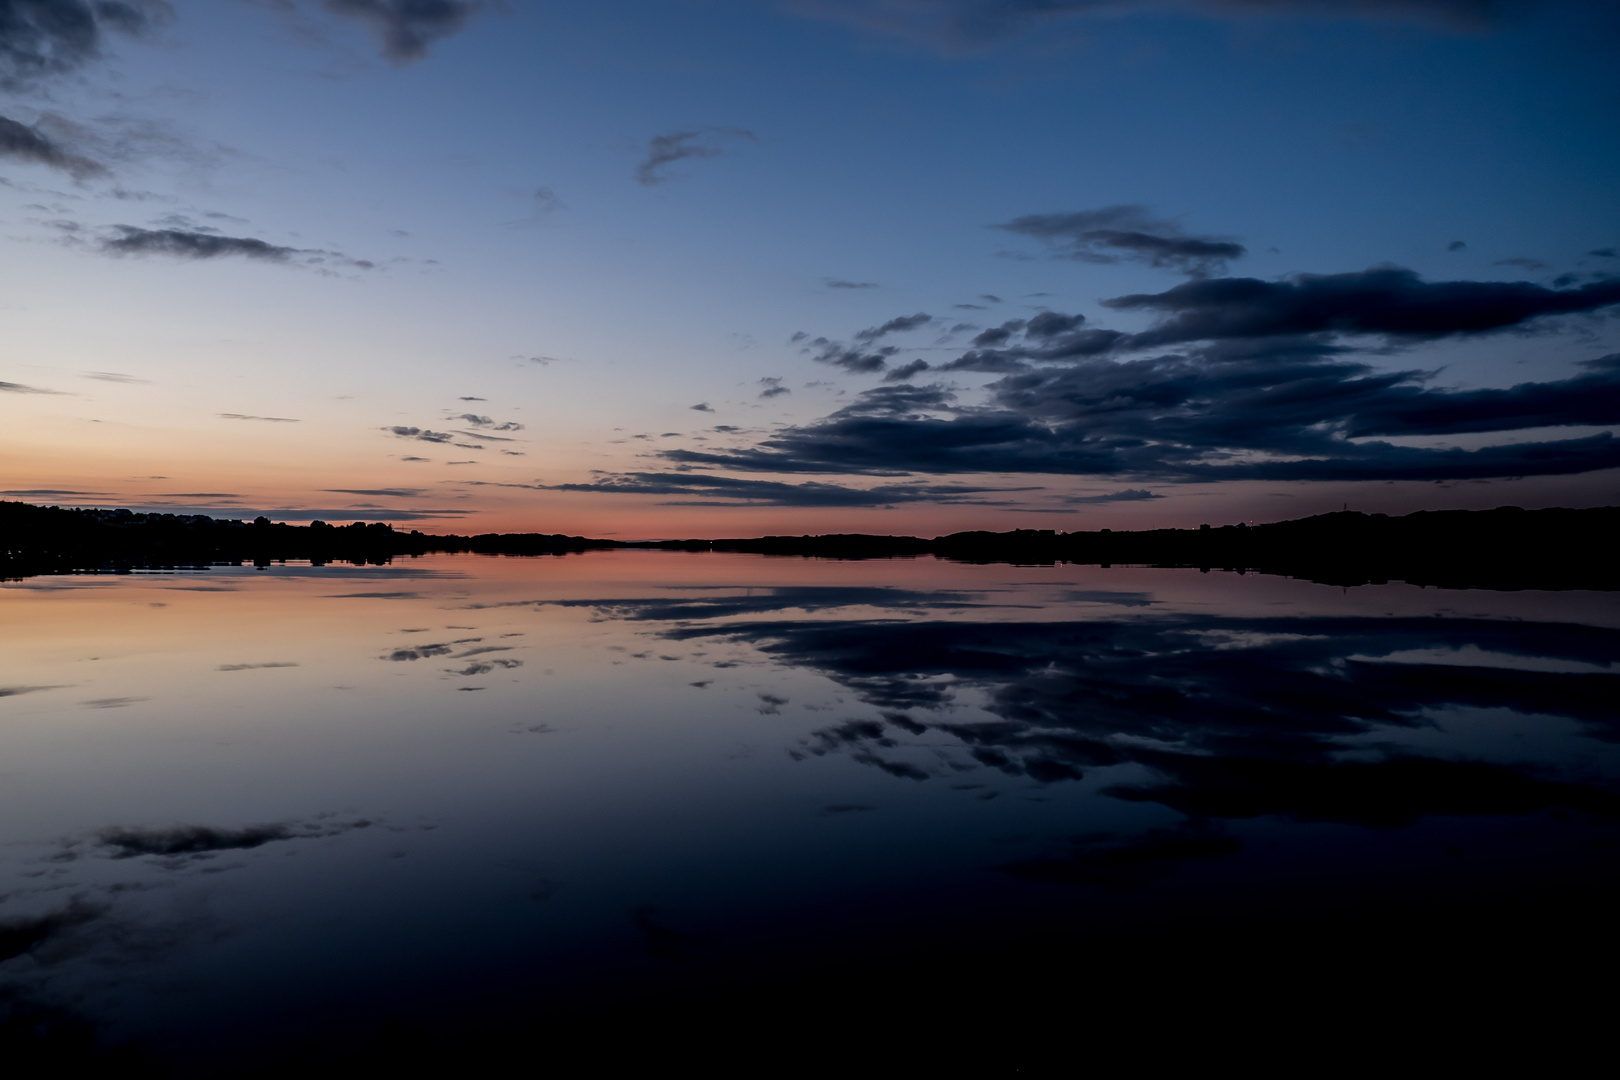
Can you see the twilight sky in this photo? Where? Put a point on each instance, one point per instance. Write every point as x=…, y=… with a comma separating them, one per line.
x=661, y=268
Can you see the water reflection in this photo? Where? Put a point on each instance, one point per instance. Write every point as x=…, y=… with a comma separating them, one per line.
x=247, y=808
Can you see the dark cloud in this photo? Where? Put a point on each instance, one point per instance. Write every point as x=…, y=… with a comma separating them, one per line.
x=839, y=283
x=906, y=371
x=406, y=28
x=700, y=489
x=421, y=434
x=773, y=387
x=14, y=691
x=270, y=419
x=21, y=143
x=485, y=422
x=191, y=244
x=41, y=38
x=1116, y=233
x=853, y=360
x=1388, y=301
x=896, y=325
x=19, y=388
x=665, y=150
x=1264, y=385
x=961, y=25
x=114, y=377
x=254, y=667
x=393, y=493
x=1127, y=495
x=1457, y=245
x=1295, y=415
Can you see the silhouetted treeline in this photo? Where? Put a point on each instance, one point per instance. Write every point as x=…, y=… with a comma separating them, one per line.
x=51, y=539
x=1505, y=548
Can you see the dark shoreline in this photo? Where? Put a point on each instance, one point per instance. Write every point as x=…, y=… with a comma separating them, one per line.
x=1505, y=548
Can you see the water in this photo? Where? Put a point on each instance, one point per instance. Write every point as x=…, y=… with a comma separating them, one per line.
x=244, y=810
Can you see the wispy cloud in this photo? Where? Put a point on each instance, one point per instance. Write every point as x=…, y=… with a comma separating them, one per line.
x=664, y=150
x=1129, y=232
x=29, y=144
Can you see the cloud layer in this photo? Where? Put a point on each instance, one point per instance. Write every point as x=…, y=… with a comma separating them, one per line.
x=42, y=38
x=664, y=150
x=1236, y=378
x=1117, y=233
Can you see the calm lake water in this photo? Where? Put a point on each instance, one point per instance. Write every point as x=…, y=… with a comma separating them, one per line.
x=246, y=809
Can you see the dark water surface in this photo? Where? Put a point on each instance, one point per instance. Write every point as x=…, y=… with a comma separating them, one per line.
x=644, y=800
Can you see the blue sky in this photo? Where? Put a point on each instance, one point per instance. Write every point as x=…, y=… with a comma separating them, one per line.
x=474, y=266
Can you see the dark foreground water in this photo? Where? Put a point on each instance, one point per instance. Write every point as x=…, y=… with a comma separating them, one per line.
x=728, y=809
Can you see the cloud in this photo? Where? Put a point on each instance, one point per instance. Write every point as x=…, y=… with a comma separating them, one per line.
x=1127, y=232
x=14, y=691
x=1389, y=301
x=839, y=283
x=192, y=244
x=19, y=388
x=906, y=371
x=965, y=25
x=269, y=419
x=255, y=667
x=41, y=38
x=665, y=150
x=421, y=434
x=1127, y=495
x=114, y=377
x=702, y=406
x=1286, y=413
x=698, y=489
x=852, y=360
x=485, y=422
x=773, y=387
x=406, y=28
x=896, y=325
x=391, y=493
x=21, y=143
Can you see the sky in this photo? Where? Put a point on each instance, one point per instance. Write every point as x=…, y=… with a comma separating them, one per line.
x=678, y=268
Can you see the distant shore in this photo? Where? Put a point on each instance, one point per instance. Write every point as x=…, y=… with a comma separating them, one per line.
x=1505, y=548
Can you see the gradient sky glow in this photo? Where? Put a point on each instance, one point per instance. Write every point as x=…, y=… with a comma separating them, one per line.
x=732, y=267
